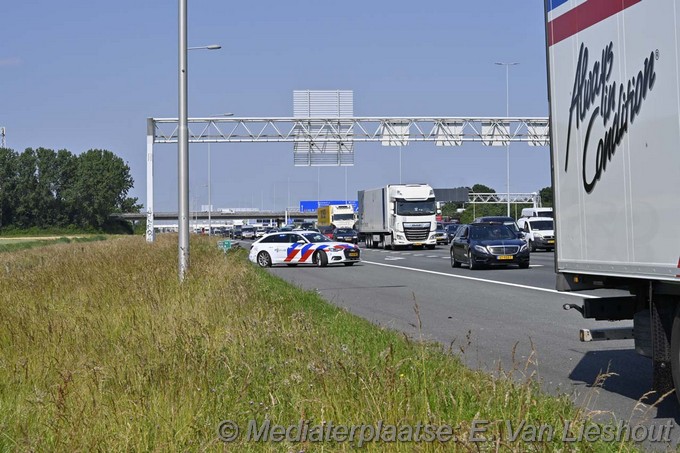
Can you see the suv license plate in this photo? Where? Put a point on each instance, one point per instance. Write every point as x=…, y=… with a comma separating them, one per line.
x=505, y=257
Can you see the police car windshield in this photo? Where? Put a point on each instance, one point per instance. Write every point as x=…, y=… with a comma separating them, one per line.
x=315, y=237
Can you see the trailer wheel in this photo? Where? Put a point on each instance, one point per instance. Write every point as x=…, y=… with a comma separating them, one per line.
x=675, y=351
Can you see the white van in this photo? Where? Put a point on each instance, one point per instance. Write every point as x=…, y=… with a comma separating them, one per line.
x=537, y=212
x=539, y=232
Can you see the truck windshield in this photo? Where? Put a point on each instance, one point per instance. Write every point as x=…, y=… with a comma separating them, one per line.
x=405, y=207
x=343, y=216
x=542, y=225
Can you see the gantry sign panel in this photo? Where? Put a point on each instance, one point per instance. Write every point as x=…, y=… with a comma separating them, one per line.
x=309, y=105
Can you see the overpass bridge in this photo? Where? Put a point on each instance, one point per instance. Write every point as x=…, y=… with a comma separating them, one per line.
x=203, y=215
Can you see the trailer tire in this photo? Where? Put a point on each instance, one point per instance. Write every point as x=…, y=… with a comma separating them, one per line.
x=675, y=351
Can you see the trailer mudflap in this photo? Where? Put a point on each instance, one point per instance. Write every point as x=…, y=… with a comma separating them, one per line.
x=661, y=326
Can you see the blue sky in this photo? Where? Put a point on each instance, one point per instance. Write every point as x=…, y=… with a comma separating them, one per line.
x=83, y=74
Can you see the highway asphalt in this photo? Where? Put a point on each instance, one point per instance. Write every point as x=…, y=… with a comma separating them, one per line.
x=499, y=318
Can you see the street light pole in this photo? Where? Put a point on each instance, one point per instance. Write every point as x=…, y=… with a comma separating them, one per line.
x=209, y=196
x=507, y=114
x=183, y=143
x=183, y=146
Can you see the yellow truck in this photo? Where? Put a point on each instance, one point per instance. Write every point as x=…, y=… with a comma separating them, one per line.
x=336, y=216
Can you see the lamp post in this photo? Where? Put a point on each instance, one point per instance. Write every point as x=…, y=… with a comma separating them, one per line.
x=507, y=114
x=183, y=142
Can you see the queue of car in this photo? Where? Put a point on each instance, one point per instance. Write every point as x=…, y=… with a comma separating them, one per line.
x=486, y=242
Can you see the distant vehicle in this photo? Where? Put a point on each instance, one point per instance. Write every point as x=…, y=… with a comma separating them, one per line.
x=482, y=244
x=537, y=212
x=451, y=229
x=346, y=235
x=398, y=215
x=248, y=232
x=236, y=233
x=336, y=216
x=272, y=230
x=259, y=232
x=308, y=226
x=440, y=234
x=305, y=247
x=327, y=231
x=539, y=232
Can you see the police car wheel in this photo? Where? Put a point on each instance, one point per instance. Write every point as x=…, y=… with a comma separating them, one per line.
x=264, y=260
x=321, y=259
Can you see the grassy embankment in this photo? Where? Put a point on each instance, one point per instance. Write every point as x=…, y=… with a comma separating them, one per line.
x=102, y=350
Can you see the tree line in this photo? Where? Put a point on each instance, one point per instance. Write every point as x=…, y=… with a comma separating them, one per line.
x=472, y=211
x=42, y=188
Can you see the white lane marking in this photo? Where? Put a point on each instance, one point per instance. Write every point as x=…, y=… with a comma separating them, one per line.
x=432, y=256
x=515, y=285
x=393, y=258
x=535, y=265
x=418, y=254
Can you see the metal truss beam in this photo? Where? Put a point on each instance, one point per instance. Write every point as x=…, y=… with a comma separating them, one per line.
x=390, y=131
x=480, y=198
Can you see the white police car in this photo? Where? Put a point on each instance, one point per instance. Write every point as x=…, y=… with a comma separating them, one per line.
x=302, y=247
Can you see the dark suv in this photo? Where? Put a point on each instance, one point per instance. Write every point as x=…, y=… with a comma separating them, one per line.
x=480, y=244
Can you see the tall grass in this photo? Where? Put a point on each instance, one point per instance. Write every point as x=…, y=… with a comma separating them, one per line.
x=102, y=350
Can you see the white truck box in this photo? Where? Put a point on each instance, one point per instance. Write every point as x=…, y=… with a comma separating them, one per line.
x=613, y=88
x=615, y=137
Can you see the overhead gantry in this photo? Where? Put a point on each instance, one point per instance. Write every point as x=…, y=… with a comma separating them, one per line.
x=329, y=141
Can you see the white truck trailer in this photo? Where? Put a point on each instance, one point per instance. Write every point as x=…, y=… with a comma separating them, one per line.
x=398, y=215
x=614, y=92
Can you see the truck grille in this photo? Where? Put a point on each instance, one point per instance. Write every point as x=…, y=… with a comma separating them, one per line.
x=417, y=234
x=503, y=250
